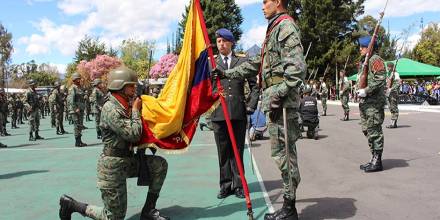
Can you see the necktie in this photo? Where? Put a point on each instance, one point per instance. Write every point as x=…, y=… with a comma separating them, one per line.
x=226, y=62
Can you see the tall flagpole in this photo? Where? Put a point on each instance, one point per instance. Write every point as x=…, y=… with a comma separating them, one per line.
x=226, y=114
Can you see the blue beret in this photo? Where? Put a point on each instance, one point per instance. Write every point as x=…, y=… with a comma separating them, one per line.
x=364, y=41
x=226, y=34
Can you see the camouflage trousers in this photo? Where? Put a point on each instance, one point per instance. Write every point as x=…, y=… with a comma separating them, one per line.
x=2, y=123
x=324, y=104
x=59, y=119
x=14, y=116
x=371, y=121
x=344, y=102
x=291, y=178
x=393, y=100
x=34, y=121
x=78, y=123
x=97, y=120
x=52, y=116
x=112, y=175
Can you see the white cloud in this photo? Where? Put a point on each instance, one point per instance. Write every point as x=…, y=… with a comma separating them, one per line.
x=110, y=20
x=401, y=8
x=255, y=35
x=243, y=3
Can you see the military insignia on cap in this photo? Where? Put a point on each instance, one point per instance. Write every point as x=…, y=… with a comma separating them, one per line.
x=378, y=66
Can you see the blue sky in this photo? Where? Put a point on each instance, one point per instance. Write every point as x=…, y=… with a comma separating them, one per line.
x=48, y=30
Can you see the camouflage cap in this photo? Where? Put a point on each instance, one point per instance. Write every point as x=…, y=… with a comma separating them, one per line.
x=76, y=76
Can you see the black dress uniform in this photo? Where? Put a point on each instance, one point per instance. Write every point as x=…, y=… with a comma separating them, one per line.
x=238, y=106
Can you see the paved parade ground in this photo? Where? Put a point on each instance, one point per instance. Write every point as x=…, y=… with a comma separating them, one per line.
x=34, y=174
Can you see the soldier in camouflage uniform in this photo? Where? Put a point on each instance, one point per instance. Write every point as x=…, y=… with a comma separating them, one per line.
x=371, y=106
x=33, y=111
x=121, y=128
x=20, y=108
x=76, y=105
x=344, y=94
x=14, y=107
x=2, y=116
x=97, y=97
x=323, y=92
x=58, y=108
x=51, y=107
x=393, y=95
x=283, y=70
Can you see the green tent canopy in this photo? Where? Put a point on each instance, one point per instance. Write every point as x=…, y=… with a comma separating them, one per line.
x=410, y=68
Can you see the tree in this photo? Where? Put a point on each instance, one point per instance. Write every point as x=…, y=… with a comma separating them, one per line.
x=218, y=14
x=136, y=55
x=97, y=68
x=427, y=50
x=89, y=48
x=329, y=25
x=164, y=66
x=44, y=74
x=5, y=51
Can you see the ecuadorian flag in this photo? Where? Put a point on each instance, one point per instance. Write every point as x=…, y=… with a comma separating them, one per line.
x=170, y=121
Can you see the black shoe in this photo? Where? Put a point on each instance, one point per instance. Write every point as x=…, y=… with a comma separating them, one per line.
x=7, y=134
x=223, y=194
x=287, y=212
x=363, y=166
x=202, y=125
x=239, y=193
x=38, y=137
x=392, y=125
x=68, y=206
x=3, y=145
x=31, y=137
x=376, y=163
x=153, y=214
x=59, y=133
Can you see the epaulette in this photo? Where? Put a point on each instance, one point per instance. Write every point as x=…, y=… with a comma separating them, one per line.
x=242, y=55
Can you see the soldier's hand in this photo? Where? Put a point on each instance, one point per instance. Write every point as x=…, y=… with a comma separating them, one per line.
x=388, y=92
x=77, y=110
x=362, y=93
x=217, y=73
x=137, y=104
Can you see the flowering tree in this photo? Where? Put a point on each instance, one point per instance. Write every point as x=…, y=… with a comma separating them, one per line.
x=164, y=66
x=97, y=68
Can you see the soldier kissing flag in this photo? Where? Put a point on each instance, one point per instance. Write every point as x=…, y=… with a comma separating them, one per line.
x=170, y=120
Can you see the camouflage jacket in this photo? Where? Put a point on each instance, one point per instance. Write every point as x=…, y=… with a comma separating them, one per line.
x=32, y=100
x=324, y=91
x=97, y=99
x=75, y=99
x=283, y=66
x=120, y=129
x=395, y=87
x=376, y=82
x=345, y=85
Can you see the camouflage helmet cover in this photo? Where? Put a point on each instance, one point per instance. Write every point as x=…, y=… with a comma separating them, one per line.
x=76, y=76
x=96, y=82
x=57, y=84
x=307, y=89
x=120, y=77
x=31, y=82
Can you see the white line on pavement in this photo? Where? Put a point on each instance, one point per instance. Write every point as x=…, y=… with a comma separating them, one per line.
x=260, y=180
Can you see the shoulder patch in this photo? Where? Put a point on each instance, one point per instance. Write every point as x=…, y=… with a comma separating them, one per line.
x=377, y=66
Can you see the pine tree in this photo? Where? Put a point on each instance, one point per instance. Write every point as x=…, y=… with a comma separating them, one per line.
x=218, y=14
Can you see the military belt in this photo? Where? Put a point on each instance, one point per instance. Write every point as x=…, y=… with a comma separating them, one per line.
x=274, y=80
x=116, y=152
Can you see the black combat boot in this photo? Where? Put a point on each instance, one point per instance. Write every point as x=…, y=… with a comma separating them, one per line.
x=287, y=212
x=202, y=125
x=98, y=133
x=38, y=137
x=59, y=131
x=79, y=143
x=149, y=211
x=363, y=166
x=324, y=113
x=31, y=136
x=376, y=163
x=393, y=124
x=3, y=145
x=68, y=206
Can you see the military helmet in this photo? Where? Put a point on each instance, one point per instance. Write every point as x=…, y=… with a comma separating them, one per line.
x=76, y=76
x=31, y=82
x=120, y=77
x=96, y=82
x=307, y=89
x=57, y=84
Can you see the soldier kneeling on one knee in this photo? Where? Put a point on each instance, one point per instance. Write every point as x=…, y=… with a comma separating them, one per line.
x=309, y=113
x=121, y=129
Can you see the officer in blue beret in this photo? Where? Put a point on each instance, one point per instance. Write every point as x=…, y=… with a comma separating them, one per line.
x=239, y=106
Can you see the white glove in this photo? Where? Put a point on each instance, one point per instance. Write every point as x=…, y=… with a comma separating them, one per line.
x=362, y=93
x=387, y=93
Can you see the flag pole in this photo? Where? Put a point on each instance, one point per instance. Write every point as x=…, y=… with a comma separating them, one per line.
x=226, y=114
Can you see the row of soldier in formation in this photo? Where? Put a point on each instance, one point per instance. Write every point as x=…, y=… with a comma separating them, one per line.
x=73, y=105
